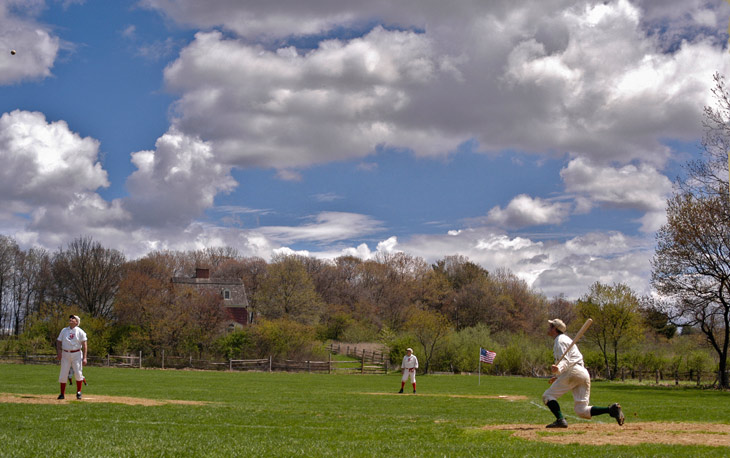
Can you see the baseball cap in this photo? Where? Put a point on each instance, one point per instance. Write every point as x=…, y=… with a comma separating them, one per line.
x=409, y=349
x=558, y=324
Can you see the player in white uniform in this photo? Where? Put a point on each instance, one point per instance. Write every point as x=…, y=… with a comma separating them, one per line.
x=571, y=375
x=409, y=365
x=71, y=350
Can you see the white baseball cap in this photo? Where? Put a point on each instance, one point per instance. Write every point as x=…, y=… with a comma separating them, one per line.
x=558, y=324
x=409, y=349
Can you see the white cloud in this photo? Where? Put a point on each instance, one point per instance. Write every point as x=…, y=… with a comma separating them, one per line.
x=36, y=48
x=327, y=197
x=524, y=210
x=552, y=267
x=176, y=182
x=640, y=188
x=45, y=164
x=327, y=227
x=562, y=76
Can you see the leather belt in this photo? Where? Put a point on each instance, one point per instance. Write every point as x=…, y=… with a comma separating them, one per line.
x=72, y=351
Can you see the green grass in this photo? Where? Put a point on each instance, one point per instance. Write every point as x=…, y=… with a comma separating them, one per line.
x=286, y=414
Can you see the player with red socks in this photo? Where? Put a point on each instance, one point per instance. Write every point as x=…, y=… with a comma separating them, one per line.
x=409, y=365
x=71, y=350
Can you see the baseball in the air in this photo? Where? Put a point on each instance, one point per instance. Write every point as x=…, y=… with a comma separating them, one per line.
x=12, y=52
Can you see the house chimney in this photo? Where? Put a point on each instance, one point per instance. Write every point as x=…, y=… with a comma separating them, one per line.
x=202, y=273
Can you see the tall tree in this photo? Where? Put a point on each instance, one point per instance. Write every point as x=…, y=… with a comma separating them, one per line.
x=691, y=266
x=8, y=252
x=617, y=321
x=288, y=292
x=431, y=329
x=88, y=275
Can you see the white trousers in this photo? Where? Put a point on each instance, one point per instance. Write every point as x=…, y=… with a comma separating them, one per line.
x=409, y=373
x=73, y=361
x=577, y=380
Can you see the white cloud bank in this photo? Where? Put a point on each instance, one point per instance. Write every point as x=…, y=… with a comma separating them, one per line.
x=585, y=79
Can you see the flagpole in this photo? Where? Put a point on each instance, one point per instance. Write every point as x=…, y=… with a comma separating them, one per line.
x=480, y=366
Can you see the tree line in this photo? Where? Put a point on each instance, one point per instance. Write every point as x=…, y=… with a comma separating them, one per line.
x=446, y=310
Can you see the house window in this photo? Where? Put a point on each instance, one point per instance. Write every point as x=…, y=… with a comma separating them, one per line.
x=226, y=294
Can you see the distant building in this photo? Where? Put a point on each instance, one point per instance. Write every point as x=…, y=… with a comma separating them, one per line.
x=232, y=292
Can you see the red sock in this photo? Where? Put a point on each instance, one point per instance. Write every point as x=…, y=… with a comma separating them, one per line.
x=63, y=388
x=414, y=387
x=78, y=385
x=402, y=384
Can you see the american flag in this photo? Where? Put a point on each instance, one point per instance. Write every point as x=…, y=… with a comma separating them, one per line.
x=486, y=356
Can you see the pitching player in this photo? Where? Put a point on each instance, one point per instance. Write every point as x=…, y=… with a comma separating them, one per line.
x=71, y=350
x=571, y=375
x=409, y=366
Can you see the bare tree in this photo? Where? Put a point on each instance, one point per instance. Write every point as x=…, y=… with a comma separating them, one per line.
x=691, y=266
x=8, y=251
x=88, y=275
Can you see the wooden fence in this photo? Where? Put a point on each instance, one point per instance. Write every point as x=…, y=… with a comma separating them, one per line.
x=372, y=356
x=363, y=366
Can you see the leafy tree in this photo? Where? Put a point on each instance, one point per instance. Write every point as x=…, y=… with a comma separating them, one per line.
x=616, y=320
x=283, y=338
x=464, y=345
x=431, y=329
x=657, y=319
x=288, y=292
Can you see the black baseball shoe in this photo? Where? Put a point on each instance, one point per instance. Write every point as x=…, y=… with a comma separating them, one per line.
x=560, y=423
x=414, y=391
x=401, y=391
x=615, y=411
x=78, y=395
x=60, y=396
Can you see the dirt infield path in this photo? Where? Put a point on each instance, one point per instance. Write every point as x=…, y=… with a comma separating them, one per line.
x=712, y=434
x=504, y=397
x=14, y=398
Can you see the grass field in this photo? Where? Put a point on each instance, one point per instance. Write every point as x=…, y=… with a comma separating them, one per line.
x=287, y=414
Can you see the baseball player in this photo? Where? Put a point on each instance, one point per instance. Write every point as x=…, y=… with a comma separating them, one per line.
x=409, y=366
x=570, y=374
x=71, y=350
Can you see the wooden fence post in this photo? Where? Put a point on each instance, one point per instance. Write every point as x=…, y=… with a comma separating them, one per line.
x=163, y=358
x=329, y=364
x=140, y=359
x=230, y=365
x=362, y=362
x=269, y=363
x=108, y=363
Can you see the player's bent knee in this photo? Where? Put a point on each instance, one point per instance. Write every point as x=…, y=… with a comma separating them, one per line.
x=547, y=398
x=582, y=410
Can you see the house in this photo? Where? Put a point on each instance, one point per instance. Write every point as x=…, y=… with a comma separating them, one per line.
x=232, y=292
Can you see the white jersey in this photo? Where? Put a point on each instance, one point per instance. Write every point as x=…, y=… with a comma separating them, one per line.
x=574, y=356
x=409, y=362
x=72, y=339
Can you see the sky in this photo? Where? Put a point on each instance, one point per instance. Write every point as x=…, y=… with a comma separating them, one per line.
x=538, y=136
